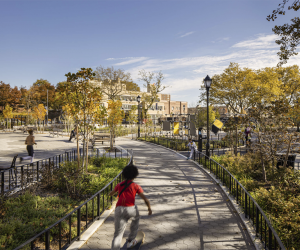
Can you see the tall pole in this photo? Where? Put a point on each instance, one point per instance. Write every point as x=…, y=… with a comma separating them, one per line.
x=207, y=143
x=236, y=135
x=139, y=120
x=47, y=109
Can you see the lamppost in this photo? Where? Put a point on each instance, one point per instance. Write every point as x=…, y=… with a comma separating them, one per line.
x=236, y=134
x=207, y=83
x=139, y=121
x=295, y=119
x=47, y=109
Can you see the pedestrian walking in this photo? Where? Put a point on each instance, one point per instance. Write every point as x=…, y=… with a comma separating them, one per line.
x=126, y=208
x=73, y=134
x=29, y=142
x=248, y=135
x=193, y=148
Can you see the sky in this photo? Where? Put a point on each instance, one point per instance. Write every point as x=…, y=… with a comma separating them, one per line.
x=184, y=39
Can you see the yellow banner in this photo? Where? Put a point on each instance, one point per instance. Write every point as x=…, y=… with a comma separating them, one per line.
x=218, y=123
x=176, y=128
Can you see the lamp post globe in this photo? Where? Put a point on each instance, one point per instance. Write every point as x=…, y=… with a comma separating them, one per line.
x=207, y=83
x=139, y=121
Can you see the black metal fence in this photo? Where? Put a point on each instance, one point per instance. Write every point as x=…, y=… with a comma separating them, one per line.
x=21, y=176
x=252, y=210
x=69, y=228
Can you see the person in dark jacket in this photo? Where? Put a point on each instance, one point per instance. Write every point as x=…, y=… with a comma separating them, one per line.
x=73, y=134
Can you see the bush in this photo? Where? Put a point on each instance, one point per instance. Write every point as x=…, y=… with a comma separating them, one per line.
x=283, y=208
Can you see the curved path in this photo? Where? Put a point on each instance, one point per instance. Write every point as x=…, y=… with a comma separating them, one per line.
x=189, y=209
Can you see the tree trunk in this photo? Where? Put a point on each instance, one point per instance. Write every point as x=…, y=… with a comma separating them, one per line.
x=87, y=149
x=287, y=152
x=111, y=138
x=263, y=168
x=78, y=153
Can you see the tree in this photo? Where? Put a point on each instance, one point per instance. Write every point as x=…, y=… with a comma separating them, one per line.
x=289, y=78
x=16, y=96
x=39, y=93
x=8, y=95
x=111, y=79
x=290, y=33
x=23, y=91
x=28, y=100
x=39, y=113
x=201, y=116
x=83, y=98
x=240, y=89
x=273, y=135
x=7, y=113
x=60, y=88
x=152, y=88
x=234, y=88
x=294, y=112
x=115, y=116
x=268, y=87
x=132, y=115
x=67, y=116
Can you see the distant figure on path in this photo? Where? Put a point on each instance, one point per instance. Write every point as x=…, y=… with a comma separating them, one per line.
x=29, y=142
x=248, y=135
x=73, y=134
x=126, y=208
x=193, y=148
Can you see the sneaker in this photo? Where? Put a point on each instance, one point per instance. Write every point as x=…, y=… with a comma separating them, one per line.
x=132, y=243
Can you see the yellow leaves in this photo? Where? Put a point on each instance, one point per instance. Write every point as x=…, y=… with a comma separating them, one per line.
x=7, y=112
x=240, y=88
x=115, y=113
x=39, y=112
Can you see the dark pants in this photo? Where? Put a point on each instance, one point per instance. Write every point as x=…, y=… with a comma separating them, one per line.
x=72, y=135
x=30, y=150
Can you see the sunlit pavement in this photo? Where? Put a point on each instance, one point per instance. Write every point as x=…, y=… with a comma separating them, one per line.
x=47, y=146
x=189, y=210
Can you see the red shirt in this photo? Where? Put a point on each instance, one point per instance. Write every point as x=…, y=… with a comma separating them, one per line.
x=127, y=198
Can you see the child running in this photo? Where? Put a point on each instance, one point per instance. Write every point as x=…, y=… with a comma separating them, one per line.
x=29, y=142
x=126, y=208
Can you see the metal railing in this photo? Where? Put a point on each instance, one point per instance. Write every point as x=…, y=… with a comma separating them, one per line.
x=21, y=176
x=69, y=228
x=252, y=210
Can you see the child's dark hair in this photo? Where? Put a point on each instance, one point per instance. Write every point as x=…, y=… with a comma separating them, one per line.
x=130, y=172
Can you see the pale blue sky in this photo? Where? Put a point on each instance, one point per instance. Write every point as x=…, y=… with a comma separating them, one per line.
x=184, y=39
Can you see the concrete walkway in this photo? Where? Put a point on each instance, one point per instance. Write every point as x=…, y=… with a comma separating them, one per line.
x=189, y=210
